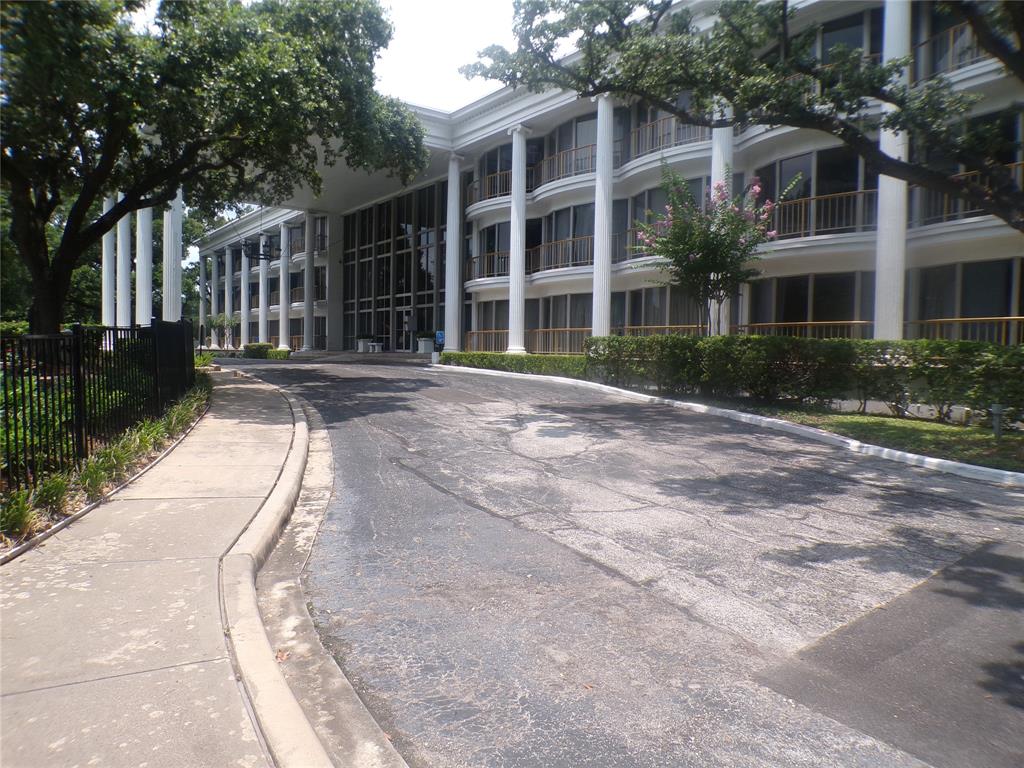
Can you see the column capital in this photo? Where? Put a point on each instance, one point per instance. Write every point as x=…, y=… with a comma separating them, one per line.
x=453, y=155
x=524, y=130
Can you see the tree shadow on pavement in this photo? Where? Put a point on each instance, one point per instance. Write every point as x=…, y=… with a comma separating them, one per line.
x=1006, y=678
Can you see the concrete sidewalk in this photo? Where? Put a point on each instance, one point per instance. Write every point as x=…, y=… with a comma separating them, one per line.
x=114, y=647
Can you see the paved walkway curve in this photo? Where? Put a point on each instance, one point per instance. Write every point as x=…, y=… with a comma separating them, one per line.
x=113, y=648
x=519, y=573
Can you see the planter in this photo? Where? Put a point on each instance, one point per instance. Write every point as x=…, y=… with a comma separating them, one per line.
x=424, y=346
x=362, y=345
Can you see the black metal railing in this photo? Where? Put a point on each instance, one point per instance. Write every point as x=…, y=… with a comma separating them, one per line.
x=67, y=395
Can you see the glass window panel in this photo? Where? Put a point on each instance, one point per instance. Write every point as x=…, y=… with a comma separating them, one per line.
x=505, y=157
x=654, y=306
x=837, y=170
x=532, y=318
x=867, y=296
x=681, y=308
x=791, y=299
x=938, y=292
x=583, y=220
x=581, y=306
x=562, y=224
x=847, y=31
x=834, y=297
x=564, y=136
x=986, y=289
x=586, y=131
x=799, y=168
x=618, y=318
x=657, y=199
x=501, y=314
x=557, y=317
x=877, y=21
x=636, y=307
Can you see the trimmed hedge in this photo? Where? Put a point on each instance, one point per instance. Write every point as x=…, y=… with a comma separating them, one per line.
x=772, y=368
x=257, y=350
x=570, y=366
x=278, y=354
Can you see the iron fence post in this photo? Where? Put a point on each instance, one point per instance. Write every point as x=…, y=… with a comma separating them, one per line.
x=154, y=338
x=78, y=387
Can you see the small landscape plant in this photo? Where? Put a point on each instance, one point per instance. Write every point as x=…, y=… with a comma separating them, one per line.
x=17, y=517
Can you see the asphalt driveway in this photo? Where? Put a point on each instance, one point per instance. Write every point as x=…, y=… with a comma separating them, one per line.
x=522, y=573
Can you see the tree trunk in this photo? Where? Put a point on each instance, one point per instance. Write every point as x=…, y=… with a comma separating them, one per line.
x=49, y=292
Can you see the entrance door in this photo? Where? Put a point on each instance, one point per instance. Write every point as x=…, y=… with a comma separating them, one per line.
x=403, y=331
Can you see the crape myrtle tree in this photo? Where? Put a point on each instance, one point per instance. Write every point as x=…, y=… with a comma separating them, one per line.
x=707, y=248
x=230, y=101
x=758, y=59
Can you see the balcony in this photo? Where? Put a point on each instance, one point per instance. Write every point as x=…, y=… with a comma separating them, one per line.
x=826, y=214
x=937, y=207
x=571, y=252
x=494, y=264
x=275, y=298
x=847, y=329
x=486, y=341
x=556, y=341
x=1007, y=331
x=663, y=134
x=297, y=245
x=489, y=187
x=657, y=330
x=946, y=52
x=296, y=295
x=571, y=162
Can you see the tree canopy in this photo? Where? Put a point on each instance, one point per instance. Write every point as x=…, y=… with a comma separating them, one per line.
x=231, y=101
x=760, y=60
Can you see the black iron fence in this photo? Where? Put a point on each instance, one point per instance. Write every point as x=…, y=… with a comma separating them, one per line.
x=66, y=395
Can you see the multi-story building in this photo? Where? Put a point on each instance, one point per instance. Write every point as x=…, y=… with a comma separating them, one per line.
x=543, y=191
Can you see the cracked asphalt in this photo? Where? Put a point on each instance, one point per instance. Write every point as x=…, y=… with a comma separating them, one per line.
x=523, y=573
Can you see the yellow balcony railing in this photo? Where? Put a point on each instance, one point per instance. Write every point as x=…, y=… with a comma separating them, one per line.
x=845, y=329
x=486, y=341
x=1008, y=331
x=493, y=185
x=493, y=264
x=557, y=341
x=665, y=133
x=571, y=252
x=948, y=51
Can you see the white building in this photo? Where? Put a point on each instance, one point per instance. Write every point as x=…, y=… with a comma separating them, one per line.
x=543, y=190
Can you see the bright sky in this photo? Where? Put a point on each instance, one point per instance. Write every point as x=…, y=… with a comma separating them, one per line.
x=432, y=39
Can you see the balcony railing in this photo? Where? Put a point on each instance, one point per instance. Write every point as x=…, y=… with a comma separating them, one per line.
x=948, y=51
x=275, y=298
x=298, y=245
x=826, y=214
x=1007, y=331
x=571, y=162
x=486, y=341
x=846, y=329
x=657, y=330
x=296, y=295
x=494, y=264
x=937, y=207
x=572, y=252
x=664, y=133
x=320, y=293
x=557, y=341
x=493, y=185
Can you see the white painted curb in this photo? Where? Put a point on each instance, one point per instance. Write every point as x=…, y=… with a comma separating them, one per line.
x=289, y=735
x=997, y=476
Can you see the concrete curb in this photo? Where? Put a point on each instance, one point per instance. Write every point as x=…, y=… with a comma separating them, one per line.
x=289, y=736
x=996, y=476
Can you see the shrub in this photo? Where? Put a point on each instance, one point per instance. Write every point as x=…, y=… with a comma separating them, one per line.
x=93, y=478
x=943, y=371
x=998, y=377
x=13, y=327
x=52, y=494
x=621, y=361
x=571, y=366
x=16, y=516
x=278, y=354
x=882, y=371
x=203, y=359
x=258, y=350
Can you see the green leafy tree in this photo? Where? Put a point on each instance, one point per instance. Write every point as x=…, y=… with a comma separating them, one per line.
x=708, y=249
x=756, y=61
x=232, y=101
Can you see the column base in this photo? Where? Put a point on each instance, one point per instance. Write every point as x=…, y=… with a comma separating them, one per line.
x=515, y=351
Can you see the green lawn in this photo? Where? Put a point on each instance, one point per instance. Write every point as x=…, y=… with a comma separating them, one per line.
x=972, y=445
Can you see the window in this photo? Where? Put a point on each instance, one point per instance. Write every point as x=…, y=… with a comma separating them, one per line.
x=581, y=307
x=847, y=32
x=834, y=297
x=791, y=299
x=986, y=289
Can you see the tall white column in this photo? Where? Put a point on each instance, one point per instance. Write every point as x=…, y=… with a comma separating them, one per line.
x=453, y=260
x=721, y=173
x=143, y=266
x=172, y=259
x=124, y=270
x=264, y=290
x=307, y=284
x=202, y=300
x=108, y=314
x=243, y=297
x=517, y=245
x=891, y=234
x=284, y=303
x=214, y=300
x=229, y=284
x=602, y=285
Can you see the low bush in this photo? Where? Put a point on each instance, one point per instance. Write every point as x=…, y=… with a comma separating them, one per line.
x=51, y=494
x=779, y=368
x=570, y=366
x=17, y=518
x=13, y=327
x=259, y=350
x=203, y=359
x=278, y=354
